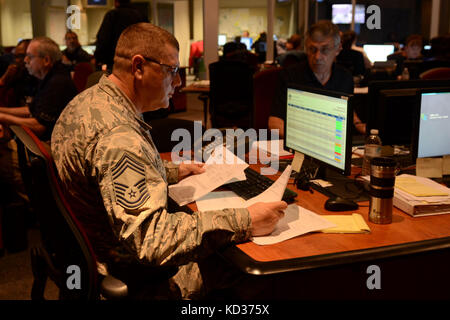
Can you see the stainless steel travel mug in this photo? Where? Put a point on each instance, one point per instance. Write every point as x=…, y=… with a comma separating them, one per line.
x=382, y=181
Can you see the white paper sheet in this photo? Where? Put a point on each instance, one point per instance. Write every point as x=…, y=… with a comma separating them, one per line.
x=275, y=191
x=222, y=155
x=296, y=221
x=221, y=168
x=228, y=199
x=220, y=200
x=265, y=146
x=196, y=186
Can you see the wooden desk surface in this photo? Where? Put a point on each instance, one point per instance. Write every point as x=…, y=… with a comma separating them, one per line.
x=403, y=229
x=195, y=89
x=405, y=235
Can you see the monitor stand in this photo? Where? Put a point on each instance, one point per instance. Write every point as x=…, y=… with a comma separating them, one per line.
x=341, y=185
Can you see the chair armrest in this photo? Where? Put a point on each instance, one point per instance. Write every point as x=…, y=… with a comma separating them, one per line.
x=113, y=289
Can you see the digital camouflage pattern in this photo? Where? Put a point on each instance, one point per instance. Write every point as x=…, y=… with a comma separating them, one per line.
x=111, y=169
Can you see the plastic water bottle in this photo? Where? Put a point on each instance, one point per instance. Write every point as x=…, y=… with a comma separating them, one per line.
x=372, y=149
x=405, y=74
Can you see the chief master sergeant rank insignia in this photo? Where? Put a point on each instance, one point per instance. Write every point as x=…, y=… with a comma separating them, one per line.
x=130, y=188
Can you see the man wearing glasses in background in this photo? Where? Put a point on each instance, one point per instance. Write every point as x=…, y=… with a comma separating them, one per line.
x=323, y=44
x=117, y=182
x=54, y=89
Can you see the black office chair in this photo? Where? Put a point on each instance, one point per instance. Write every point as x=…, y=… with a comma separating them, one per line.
x=65, y=254
x=162, y=130
x=231, y=94
x=264, y=84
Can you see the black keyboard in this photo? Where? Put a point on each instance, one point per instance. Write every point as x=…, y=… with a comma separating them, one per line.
x=255, y=184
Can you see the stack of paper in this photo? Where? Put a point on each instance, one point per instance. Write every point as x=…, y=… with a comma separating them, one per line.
x=420, y=196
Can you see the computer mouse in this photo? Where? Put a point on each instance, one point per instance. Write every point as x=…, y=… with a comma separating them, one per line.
x=340, y=204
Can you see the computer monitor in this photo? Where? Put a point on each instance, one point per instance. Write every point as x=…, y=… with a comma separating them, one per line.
x=318, y=124
x=342, y=13
x=378, y=52
x=96, y=3
x=89, y=49
x=392, y=108
x=247, y=41
x=222, y=39
x=432, y=123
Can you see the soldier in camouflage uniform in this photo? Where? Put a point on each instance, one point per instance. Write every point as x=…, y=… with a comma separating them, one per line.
x=117, y=181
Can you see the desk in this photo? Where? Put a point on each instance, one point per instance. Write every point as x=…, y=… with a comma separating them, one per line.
x=203, y=92
x=413, y=255
x=405, y=250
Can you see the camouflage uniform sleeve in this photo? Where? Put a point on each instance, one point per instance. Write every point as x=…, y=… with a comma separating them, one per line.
x=171, y=171
x=135, y=195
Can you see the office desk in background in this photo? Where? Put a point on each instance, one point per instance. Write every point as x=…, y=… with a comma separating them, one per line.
x=203, y=91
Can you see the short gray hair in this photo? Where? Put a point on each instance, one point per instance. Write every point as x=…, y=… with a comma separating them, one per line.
x=48, y=47
x=324, y=28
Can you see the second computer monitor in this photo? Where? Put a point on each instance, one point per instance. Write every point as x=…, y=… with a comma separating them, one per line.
x=433, y=120
x=378, y=52
x=318, y=124
x=247, y=41
x=392, y=108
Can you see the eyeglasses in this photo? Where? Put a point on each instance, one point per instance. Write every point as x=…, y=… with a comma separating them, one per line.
x=172, y=69
x=31, y=56
x=323, y=50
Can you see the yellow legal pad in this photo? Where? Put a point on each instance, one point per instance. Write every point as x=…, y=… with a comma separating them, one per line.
x=416, y=188
x=347, y=224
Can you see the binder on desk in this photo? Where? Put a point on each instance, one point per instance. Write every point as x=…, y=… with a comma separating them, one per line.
x=419, y=196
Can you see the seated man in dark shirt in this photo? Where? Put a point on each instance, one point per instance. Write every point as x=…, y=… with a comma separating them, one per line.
x=55, y=89
x=323, y=44
x=74, y=53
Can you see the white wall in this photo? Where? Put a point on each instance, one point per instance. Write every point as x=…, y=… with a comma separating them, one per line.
x=181, y=29
x=198, y=20
x=15, y=20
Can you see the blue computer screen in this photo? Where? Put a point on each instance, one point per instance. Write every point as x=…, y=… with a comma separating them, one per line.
x=248, y=42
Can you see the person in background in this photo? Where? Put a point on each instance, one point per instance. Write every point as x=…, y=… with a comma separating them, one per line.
x=54, y=90
x=294, y=52
x=349, y=58
x=260, y=47
x=16, y=84
x=412, y=51
x=74, y=53
x=114, y=22
x=323, y=44
x=367, y=63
